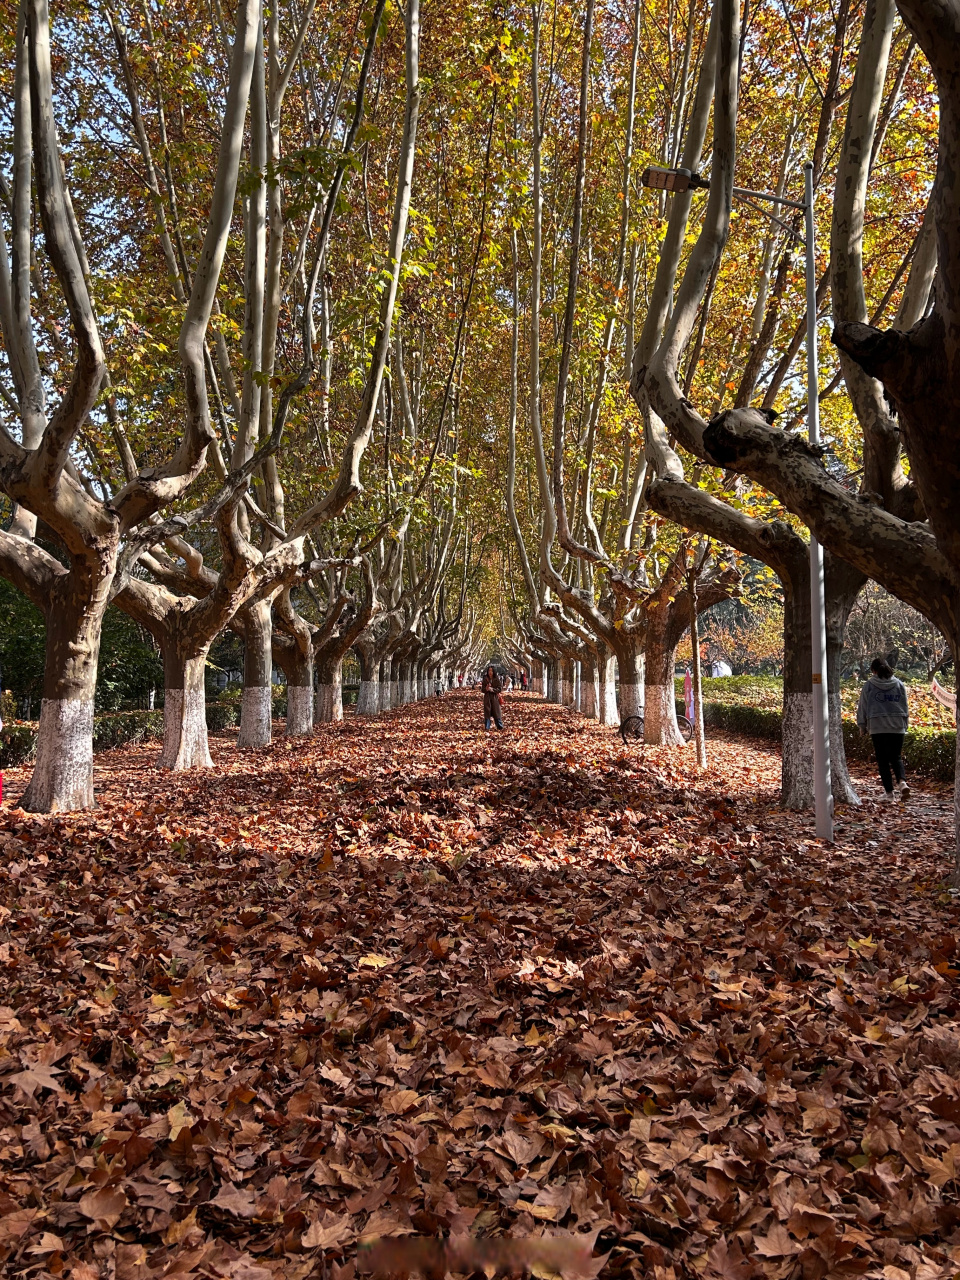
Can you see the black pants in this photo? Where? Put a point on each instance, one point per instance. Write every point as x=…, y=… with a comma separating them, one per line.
x=887, y=748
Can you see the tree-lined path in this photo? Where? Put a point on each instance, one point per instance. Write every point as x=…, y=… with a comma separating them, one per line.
x=435, y=981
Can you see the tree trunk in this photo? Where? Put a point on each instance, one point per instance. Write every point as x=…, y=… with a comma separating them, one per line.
x=329, y=708
x=368, y=698
x=566, y=682
x=300, y=693
x=406, y=693
x=62, y=779
x=185, y=743
x=608, y=690
x=630, y=665
x=660, y=701
x=842, y=585
x=256, y=711
x=395, y=682
x=699, y=736
x=536, y=677
x=796, y=782
x=589, y=691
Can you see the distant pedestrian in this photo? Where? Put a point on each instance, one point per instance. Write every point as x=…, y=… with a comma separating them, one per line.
x=492, y=699
x=883, y=713
x=524, y=683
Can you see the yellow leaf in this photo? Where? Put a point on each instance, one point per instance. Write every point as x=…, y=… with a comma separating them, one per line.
x=373, y=961
x=179, y=1118
x=177, y=1230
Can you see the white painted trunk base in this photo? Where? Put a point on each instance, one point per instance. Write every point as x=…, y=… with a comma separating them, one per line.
x=329, y=708
x=631, y=700
x=185, y=744
x=368, y=698
x=588, y=697
x=608, y=702
x=299, y=710
x=62, y=779
x=256, y=718
x=660, y=716
x=394, y=693
x=796, y=785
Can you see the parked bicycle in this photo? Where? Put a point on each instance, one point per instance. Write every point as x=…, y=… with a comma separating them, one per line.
x=631, y=730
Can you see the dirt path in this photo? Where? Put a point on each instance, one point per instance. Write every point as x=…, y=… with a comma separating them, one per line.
x=409, y=977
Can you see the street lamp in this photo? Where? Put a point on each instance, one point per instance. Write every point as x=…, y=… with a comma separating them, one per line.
x=677, y=180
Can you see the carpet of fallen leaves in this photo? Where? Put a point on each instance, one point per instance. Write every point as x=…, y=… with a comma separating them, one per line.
x=409, y=978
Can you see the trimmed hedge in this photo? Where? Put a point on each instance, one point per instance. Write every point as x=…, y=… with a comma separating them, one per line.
x=18, y=742
x=234, y=698
x=220, y=715
x=121, y=727
x=928, y=752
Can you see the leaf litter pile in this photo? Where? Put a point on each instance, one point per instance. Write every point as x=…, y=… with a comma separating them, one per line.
x=528, y=991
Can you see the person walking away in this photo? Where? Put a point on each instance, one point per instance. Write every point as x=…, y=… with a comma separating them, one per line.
x=883, y=713
x=492, y=704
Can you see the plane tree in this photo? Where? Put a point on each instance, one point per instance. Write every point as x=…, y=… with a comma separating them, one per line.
x=915, y=559
x=37, y=470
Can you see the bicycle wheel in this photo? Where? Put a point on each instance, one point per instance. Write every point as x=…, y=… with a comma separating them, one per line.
x=632, y=730
x=685, y=727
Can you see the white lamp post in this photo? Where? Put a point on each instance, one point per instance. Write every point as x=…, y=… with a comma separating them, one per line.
x=676, y=180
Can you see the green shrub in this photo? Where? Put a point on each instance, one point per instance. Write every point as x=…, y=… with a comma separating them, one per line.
x=928, y=752
x=120, y=727
x=8, y=706
x=18, y=744
x=739, y=718
x=750, y=705
x=931, y=753
x=222, y=713
x=765, y=692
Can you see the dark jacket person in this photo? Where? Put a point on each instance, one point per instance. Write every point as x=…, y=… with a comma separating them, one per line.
x=882, y=712
x=492, y=688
